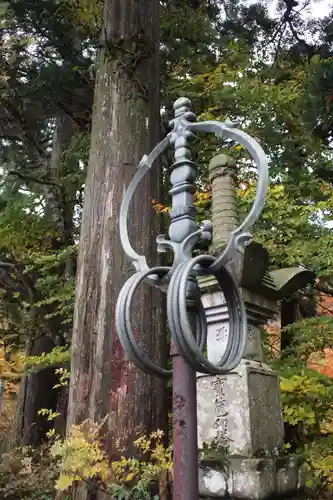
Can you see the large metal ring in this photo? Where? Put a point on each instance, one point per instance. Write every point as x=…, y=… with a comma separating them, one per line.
x=180, y=324
x=229, y=130
x=124, y=323
x=240, y=236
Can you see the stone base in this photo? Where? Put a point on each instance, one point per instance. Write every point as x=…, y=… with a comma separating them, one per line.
x=251, y=479
x=241, y=411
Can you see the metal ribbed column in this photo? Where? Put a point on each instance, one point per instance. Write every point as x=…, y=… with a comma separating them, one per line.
x=185, y=475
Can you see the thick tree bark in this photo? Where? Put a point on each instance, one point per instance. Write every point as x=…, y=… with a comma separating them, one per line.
x=29, y=428
x=126, y=122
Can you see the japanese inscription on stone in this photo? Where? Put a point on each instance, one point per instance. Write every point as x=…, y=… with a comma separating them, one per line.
x=221, y=423
x=222, y=333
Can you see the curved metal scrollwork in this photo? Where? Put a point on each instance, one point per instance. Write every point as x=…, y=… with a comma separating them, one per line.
x=189, y=329
x=240, y=237
x=139, y=261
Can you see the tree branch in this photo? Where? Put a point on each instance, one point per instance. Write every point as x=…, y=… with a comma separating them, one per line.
x=20, y=119
x=29, y=178
x=9, y=283
x=325, y=288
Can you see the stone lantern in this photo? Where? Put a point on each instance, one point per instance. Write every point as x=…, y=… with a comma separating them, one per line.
x=240, y=426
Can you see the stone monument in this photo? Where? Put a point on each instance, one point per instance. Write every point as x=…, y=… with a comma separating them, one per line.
x=240, y=426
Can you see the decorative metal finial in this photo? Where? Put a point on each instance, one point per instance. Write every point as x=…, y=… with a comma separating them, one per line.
x=183, y=175
x=184, y=237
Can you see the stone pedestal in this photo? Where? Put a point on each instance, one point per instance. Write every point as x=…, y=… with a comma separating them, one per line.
x=250, y=479
x=241, y=411
x=258, y=309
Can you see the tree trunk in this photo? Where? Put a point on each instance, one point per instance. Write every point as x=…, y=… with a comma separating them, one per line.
x=289, y=315
x=39, y=394
x=126, y=123
x=29, y=428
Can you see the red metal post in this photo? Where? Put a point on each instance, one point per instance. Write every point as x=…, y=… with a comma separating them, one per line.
x=185, y=438
x=185, y=432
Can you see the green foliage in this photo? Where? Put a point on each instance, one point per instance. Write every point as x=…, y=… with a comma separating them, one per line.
x=292, y=229
x=320, y=91
x=82, y=458
x=319, y=464
x=30, y=474
x=49, y=414
x=46, y=87
x=58, y=356
x=84, y=14
x=55, y=287
x=309, y=336
x=64, y=377
x=217, y=453
x=307, y=398
x=243, y=65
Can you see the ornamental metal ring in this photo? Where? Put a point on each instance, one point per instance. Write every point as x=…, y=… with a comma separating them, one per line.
x=124, y=324
x=240, y=237
x=180, y=323
x=189, y=336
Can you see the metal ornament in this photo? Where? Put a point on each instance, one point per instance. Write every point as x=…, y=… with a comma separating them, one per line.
x=185, y=313
x=184, y=237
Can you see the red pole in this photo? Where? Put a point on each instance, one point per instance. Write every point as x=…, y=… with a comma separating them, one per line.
x=185, y=433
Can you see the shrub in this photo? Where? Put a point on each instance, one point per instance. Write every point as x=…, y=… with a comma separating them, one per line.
x=28, y=474
x=81, y=458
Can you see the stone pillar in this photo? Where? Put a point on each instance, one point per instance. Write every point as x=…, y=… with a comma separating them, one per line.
x=240, y=427
x=225, y=217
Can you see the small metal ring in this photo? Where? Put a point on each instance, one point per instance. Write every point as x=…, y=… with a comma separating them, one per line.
x=173, y=315
x=181, y=328
x=124, y=324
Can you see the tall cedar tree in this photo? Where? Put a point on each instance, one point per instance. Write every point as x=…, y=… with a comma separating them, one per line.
x=125, y=125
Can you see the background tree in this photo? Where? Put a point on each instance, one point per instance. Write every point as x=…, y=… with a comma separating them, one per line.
x=41, y=191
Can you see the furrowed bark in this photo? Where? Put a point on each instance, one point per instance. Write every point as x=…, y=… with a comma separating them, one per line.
x=125, y=125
